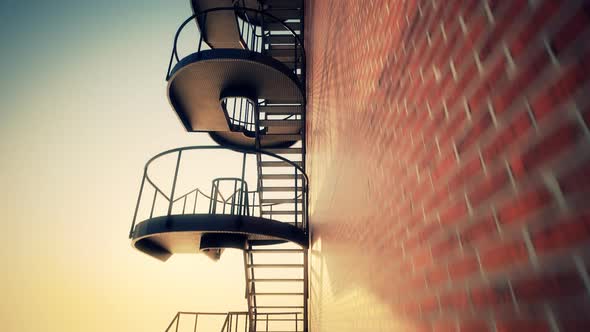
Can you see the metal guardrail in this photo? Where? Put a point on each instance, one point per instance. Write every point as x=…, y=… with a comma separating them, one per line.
x=235, y=321
x=253, y=38
x=240, y=201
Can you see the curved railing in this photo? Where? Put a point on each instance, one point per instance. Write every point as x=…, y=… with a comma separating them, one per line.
x=194, y=173
x=254, y=38
x=242, y=114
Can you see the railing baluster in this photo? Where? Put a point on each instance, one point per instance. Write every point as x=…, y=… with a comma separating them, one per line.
x=153, y=203
x=174, y=183
x=233, y=197
x=137, y=205
x=195, y=204
x=296, y=190
x=196, y=319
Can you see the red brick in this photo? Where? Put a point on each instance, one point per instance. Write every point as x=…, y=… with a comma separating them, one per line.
x=446, y=245
x=468, y=172
x=463, y=268
x=492, y=296
x=454, y=213
x=533, y=26
x=548, y=287
x=455, y=300
x=471, y=325
x=521, y=82
x=522, y=326
x=357, y=96
x=523, y=206
x=516, y=129
x=573, y=231
x=503, y=255
x=573, y=78
x=474, y=133
x=486, y=189
x=479, y=230
x=577, y=180
x=429, y=304
x=437, y=275
x=574, y=27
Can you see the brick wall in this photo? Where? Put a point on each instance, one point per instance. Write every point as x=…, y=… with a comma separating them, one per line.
x=449, y=156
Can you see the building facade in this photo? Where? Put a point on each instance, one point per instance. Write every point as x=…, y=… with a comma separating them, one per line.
x=449, y=165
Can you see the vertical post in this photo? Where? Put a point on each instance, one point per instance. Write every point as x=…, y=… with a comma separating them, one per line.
x=195, y=204
x=242, y=184
x=177, y=321
x=196, y=319
x=233, y=197
x=241, y=107
x=296, y=204
x=137, y=204
x=184, y=205
x=211, y=198
x=234, y=111
x=153, y=203
x=174, y=182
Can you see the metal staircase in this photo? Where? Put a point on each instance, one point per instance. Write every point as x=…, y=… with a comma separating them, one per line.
x=273, y=286
x=245, y=86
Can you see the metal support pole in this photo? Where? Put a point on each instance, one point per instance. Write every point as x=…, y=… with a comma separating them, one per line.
x=242, y=184
x=137, y=205
x=174, y=183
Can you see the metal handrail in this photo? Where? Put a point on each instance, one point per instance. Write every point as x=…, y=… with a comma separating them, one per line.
x=300, y=192
x=204, y=13
x=175, y=323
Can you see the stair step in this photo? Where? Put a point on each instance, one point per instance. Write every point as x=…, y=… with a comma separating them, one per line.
x=277, y=280
x=277, y=307
x=280, y=176
x=280, y=200
x=281, y=213
x=263, y=319
x=281, y=123
x=285, y=266
x=275, y=189
x=278, y=164
x=284, y=55
x=284, y=13
x=285, y=137
x=276, y=26
x=276, y=251
x=275, y=294
x=281, y=39
x=281, y=109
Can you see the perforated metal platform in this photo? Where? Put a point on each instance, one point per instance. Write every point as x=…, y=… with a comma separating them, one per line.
x=160, y=237
x=198, y=81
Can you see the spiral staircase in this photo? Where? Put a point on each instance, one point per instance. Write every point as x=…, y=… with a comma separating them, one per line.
x=244, y=85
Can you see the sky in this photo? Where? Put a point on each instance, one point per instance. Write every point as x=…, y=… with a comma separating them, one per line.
x=83, y=107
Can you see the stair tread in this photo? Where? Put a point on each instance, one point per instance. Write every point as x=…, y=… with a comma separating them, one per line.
x=281, y=123
x=285, y=150
x=275, y=265
x=280, y=176
x=287, y=188
x=280, y=200
x=278, y=164
x=281, y=212
x=281, y=109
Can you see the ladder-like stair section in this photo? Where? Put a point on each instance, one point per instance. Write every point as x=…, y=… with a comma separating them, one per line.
x=276, y=282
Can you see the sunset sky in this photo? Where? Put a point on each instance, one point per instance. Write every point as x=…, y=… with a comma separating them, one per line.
x=83, y=106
